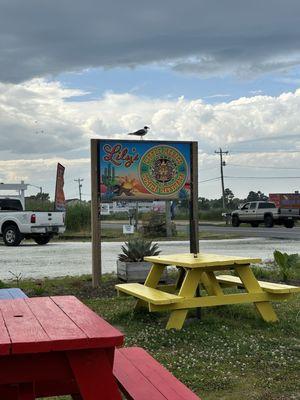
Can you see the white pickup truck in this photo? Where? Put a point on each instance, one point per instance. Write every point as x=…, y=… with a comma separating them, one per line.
x=16, y=224
x=264, y=212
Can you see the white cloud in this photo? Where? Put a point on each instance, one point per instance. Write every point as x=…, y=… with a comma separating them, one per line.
x=250, y=124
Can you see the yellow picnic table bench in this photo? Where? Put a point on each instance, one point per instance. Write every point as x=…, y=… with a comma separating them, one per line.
x=200, y=269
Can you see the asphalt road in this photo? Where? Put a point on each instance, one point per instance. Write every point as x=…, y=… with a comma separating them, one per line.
x=277, y=232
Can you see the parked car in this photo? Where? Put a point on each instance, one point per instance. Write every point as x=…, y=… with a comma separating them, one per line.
x=264, y=212
x=17, y=224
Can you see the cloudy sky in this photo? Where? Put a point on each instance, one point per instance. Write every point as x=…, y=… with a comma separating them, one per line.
x=224, y=73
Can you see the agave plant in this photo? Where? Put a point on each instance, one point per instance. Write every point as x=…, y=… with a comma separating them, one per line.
x=136, y=249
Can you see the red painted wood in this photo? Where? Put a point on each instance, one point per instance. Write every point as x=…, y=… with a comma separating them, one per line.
x=63, y=333
x=97, y=329
x=93, y=372
x=153, y=372
x=9, y=392
x=40, y=367
x=26, y=334
x=5, y=343
x=132, y=383
x=26, y=391
x=32, y=330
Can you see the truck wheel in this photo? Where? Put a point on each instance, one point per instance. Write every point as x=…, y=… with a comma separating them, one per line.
x=269, y=223
x=12, y=236
x=41, y=240
x=235, y=221
x=289, y=223
x=254, y=224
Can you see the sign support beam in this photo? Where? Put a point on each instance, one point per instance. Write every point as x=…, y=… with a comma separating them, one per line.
x=95, y=214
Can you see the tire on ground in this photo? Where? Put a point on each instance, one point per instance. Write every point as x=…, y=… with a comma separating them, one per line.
x=41, y=240
x=268, y=220
x=235, y=221
x=12, y=236
x=289, y=223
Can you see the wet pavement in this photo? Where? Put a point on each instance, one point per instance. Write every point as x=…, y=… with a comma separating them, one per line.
x=74, y=258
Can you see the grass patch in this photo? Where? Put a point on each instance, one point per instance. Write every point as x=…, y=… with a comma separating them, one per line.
x=230, y=354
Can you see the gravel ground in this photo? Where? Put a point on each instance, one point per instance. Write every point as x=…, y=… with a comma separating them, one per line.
x=74, y=258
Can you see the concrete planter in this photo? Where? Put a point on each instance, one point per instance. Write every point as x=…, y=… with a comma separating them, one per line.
x=135, y=271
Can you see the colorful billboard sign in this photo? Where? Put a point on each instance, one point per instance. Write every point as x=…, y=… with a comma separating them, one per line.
x=60, y=204
x=144, y=170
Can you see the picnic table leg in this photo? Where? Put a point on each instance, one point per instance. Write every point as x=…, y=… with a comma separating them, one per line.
x=152, y=281
x=251, y=284
x=92, y=370
x=211, y=284
x=26, y=391
x=188, y=289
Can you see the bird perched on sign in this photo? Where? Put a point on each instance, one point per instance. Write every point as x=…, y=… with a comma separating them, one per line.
x=140, y=132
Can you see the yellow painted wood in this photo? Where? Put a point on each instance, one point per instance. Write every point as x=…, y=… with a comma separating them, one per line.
x=203, y=260
x=152, y=281
x=167, y=288
x=251, y=284
x=212, y=301
x=267, y=286
x=147, y=294
x=211, y=284
x=187, y=290
x=154, y=275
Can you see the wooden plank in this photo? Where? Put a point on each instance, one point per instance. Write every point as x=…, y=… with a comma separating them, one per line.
x=95, y=328
x=271, y=287
x=63, y=333
x=5, y=295
x=132, y=382
x=26, y=334
x=202, y=260
x=12, y=293
x=153, y=372
x=148, y=294
x=212, y=301
x=17, y=293
x=5, y=342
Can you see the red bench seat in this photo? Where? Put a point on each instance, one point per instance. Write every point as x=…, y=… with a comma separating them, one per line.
x=141, y=377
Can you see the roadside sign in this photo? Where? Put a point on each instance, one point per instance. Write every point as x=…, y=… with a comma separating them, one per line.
x=104, y=209
x=128, y=229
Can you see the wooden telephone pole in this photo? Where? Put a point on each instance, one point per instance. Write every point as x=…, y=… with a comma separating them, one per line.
x=222, y=164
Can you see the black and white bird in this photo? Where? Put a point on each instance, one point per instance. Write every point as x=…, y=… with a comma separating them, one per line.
x=140, y=132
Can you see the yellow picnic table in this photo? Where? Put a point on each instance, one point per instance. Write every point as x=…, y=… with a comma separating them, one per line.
x=201, y=269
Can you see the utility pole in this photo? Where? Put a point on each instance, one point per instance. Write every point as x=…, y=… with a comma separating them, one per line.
x=222, y=164
x=79, y=180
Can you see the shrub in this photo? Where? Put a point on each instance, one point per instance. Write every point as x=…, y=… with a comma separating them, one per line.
x=136, y=249
x=288, y=264
x=78, y=218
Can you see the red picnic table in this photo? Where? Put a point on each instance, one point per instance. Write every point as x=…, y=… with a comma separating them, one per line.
x=51, y=346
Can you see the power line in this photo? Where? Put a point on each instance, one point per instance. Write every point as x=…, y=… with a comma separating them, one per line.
x=262, y=152
x=258, y=166
x=212, y=179
x=263, y=177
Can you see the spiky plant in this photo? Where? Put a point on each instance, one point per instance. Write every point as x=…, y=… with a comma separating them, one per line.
x=136, y=249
